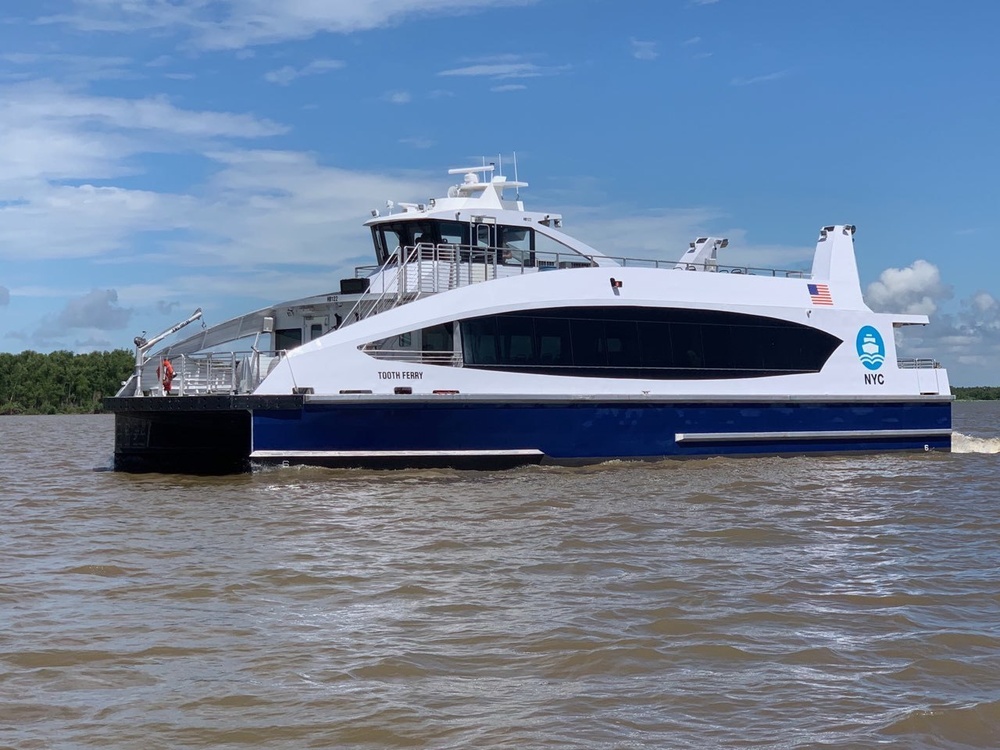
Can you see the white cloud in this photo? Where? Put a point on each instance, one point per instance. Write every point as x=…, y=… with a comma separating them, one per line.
x=664, y=234
x=739, y=81
x=102, y=15
x=397, y=97
x=38, y=291
x=62, y=221
x=644, y=50
x=258, y=200
x=97, y=309
x=287, y=74
x=984, y=303
x=92, y=344
x=504, y=66
x=916, y=289
x=417, y=142
x=657, y=234
x=967, y=342
x=509, y=87
x=234, y=24
x=52, y=136
x=63, y=154
x=692, y=40
x=75, y=68
x=264, y=222
x=43, y=103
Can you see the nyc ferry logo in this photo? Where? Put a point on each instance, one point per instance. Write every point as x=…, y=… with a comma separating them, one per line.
x=871, y=352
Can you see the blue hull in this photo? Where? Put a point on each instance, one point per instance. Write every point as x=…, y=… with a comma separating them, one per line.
x=449, y=431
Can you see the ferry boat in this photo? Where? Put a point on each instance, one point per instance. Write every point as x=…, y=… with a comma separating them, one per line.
x=487, y=337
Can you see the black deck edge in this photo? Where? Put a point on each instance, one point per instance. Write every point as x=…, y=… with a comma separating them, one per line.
x=135, y=404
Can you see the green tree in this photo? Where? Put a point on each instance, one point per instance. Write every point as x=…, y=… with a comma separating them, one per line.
x=977, y=393
x=60, y=382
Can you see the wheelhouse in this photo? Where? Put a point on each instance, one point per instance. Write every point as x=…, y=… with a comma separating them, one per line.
x=477, y=240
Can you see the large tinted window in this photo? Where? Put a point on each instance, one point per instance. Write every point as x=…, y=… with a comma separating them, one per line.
x=439, y=338
x=554, y=342
x=479, y=338
x=643, y=342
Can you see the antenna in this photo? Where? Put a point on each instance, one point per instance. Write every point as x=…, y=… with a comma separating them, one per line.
x=500, y=162
x=463, y=170
x=517, y=191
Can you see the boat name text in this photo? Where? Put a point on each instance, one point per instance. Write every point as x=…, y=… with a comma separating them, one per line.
x=399, y=375
x=874, y=378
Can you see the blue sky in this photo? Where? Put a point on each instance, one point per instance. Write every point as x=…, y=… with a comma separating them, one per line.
x=161, y=155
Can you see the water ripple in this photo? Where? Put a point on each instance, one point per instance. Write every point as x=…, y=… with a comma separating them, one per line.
x=806, y=602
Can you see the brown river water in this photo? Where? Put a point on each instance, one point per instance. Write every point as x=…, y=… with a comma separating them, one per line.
x=849, y=602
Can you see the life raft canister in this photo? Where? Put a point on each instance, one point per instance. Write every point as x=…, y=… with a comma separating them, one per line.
x=168, y=375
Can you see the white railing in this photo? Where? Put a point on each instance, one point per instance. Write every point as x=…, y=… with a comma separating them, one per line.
x=209, y=373
x=447, y=359
x=543, y=260
x=917, y=363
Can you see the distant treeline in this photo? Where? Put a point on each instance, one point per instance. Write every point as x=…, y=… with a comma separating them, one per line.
x=61, y=382
x=977, y=393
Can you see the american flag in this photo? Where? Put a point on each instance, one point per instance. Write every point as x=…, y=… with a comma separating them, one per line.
x=820, y=294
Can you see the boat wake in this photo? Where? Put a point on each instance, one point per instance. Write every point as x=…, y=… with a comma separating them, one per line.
x=968, y=444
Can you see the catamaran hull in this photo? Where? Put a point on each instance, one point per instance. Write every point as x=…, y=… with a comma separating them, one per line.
x=230, y=434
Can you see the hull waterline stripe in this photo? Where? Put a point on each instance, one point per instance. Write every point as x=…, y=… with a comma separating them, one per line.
x=713, y=437
x=393, y=454
x=653, y=399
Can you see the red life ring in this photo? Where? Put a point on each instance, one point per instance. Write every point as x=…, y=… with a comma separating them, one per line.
x=168, y=375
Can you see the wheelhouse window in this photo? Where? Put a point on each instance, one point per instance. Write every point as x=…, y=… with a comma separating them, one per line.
x=517, y=245
x=551, y=253
x=483, y=235
x=642, y=342
x=388, y=239
x=397, y=234
x=439, y=232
